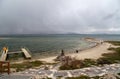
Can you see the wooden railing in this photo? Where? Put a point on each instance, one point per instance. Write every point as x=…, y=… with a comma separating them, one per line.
x=4, y=67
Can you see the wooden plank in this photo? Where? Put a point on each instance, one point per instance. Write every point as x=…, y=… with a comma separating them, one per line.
x=26, y=53
x=14, y=52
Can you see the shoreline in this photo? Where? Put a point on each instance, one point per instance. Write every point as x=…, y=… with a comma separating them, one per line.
x=92, y=52
x=50, y=58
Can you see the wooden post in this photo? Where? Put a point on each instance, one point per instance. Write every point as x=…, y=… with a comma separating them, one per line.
x=8, y=67
x=0, y=68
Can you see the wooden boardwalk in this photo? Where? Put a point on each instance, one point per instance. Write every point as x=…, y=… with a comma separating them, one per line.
x=14, y=52
x=26, y=53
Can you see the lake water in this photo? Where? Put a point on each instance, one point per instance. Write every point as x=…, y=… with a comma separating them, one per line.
x=50, y=44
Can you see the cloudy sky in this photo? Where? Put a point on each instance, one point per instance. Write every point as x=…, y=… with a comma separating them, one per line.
x=59, y=16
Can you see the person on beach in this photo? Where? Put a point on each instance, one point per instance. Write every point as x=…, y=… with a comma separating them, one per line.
x=58, y=58
x=62, y=52
x=76, y=51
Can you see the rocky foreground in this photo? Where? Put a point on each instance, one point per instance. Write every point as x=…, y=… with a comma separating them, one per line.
x=106, y=71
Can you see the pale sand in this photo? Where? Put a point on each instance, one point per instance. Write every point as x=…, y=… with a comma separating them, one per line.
x=92, y=53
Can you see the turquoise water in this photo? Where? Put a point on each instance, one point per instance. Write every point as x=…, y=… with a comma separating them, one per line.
x=50, y=43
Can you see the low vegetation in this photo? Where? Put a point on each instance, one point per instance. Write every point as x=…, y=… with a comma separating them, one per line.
x=118, y=73
x=26, y=65
x=109, y=58
x=112, y=57
x=89, y=62
x=116, y=43
x=80, y=77
x=84, y=77
x=46, y=78
x=87, y=77
x=69, y=65
x=76, y=64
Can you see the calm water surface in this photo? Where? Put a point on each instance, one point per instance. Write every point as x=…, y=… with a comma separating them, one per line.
x=50, y=44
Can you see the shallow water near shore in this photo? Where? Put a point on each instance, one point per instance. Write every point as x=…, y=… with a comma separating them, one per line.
x=47, y=45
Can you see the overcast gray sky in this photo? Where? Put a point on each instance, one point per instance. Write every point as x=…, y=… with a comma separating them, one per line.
x=59, y=16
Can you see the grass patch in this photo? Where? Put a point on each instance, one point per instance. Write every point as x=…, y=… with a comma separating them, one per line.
x=76, y=64
x=80, y=77
x=112, y=57
x=84, y=77
x=69, y=65
x=111, y=48
x=26, y=65
x=89, y=62
x=117, y=43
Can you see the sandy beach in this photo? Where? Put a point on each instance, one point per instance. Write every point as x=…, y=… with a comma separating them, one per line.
x=94, y=52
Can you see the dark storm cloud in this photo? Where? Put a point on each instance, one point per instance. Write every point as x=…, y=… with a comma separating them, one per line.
x=59, y=16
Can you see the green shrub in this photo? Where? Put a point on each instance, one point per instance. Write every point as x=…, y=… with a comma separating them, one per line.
x=89, y=62
x=80, y=77
x=102, y=61
x=74, y=64
x=111, y=48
